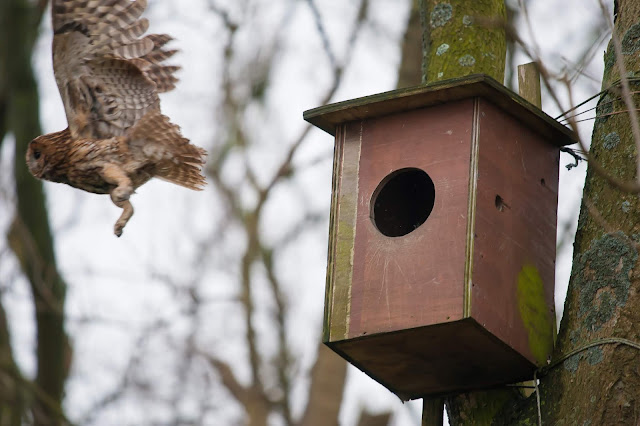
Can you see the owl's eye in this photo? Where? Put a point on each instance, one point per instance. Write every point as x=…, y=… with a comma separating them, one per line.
x=36, y=154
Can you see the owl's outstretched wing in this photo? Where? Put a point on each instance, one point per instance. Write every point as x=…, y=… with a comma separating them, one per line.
x=108, y=76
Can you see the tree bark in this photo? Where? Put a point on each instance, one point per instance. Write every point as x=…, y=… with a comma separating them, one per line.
x=30, y=235
x=12, y=401
x=463, y=37
x=599, y=384
x=327, y=387
x=603, y=300
x=410, y=72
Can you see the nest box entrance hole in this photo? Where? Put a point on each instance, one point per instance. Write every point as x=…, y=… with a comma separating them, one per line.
x=402, y=202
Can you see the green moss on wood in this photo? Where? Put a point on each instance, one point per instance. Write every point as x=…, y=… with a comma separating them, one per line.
x=535, y=313
x=341, y=267
x=472, y=31
x=341, y=276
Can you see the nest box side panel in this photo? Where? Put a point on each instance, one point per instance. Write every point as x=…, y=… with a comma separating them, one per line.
x=415, y=279
x=342, y=231
x=515, y=234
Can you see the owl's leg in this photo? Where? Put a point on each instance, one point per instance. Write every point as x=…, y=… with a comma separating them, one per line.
x=127, y=212
x=120, y=194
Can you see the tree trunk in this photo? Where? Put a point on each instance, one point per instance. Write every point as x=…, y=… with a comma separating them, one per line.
x=410, y=72
x=603, y=299
x=327, y=387
x=12, y=400
x=599, y=384
x=463, y=37
x=30, y=236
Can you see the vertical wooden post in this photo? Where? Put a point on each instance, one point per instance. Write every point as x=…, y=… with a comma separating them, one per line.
x=529, y=83
x=529, y=88
x=432, y=412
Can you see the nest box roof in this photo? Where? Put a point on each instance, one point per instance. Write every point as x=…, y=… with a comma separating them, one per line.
x=478, y=85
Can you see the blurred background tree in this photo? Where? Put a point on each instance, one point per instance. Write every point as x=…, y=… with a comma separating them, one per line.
x=29, y=235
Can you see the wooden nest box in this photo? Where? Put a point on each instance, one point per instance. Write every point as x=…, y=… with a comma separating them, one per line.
x=442, y=235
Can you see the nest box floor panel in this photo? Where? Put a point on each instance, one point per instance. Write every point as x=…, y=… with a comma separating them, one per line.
x=436, y=360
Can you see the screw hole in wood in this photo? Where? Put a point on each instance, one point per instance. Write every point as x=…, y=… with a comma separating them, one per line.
x=500, y=204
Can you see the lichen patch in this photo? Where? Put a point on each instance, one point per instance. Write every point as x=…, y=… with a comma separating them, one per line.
x=604, y=278
x=442, y=49
x=441, y=14
x=594, y=355
x=611, y=140
x=571, y=364
x=631, y=40
x=626, y=206
x=467, y=61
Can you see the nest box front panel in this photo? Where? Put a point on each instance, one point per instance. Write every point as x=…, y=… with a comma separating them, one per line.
x=514, y=240
x=411, y=219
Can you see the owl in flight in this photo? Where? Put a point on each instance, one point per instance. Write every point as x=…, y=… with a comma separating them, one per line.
x=109, y=79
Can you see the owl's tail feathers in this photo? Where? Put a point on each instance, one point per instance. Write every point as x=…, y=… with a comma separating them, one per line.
x=176, y=160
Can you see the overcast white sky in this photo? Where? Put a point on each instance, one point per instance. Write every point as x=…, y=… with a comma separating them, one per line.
x=110, y=278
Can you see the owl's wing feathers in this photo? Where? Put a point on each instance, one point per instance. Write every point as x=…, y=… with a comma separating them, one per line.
x=108, y=77
x=151, y=63
x=155, y=138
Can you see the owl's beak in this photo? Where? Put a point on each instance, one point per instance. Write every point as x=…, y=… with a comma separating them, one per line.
x=32, y=165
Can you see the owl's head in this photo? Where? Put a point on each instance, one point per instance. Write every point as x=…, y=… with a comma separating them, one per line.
x=36, y=157
x=43, y=152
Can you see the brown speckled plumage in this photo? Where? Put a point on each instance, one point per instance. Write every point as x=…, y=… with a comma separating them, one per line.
x=109, y=79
